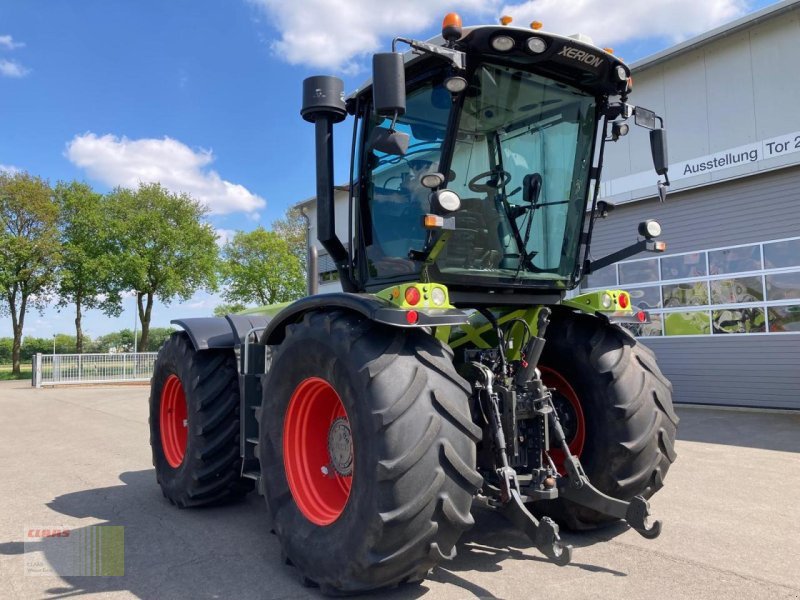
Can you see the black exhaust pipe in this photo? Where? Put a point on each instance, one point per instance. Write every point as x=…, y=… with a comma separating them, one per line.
x=323, y=105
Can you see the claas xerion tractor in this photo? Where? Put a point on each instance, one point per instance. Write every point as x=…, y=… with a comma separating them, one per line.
x=454, y=370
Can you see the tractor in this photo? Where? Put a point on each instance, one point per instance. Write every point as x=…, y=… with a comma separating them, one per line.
x=459, y=369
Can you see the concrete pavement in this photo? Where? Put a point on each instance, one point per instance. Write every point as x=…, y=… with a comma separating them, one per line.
x=80, y=456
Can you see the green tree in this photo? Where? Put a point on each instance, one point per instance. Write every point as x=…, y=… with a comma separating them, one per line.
x=293, y=229
x=259, y=268
x=120, y=341
x=29, y=249
x=226, y=309
x=166, y=250
x=5, y=350
x=85, y=276
x=65, y=344
x=156, y=339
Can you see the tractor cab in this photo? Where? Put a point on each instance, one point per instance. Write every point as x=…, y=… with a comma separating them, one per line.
x=477, y=158
x=517, y=155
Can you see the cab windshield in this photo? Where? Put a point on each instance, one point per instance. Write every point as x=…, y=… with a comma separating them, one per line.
x=520, y=164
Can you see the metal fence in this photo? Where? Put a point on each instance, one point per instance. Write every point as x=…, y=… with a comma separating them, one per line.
x=62, y=369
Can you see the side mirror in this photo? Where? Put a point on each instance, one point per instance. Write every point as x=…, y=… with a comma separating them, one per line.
x=658, y=147
x=387, y=141
x=388, y=84
x=644, y=117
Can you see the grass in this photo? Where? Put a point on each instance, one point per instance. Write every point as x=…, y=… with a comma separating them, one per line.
x=6, y=375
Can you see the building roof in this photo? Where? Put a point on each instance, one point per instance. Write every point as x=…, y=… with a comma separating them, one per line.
x=311, y=201
x=725, y=30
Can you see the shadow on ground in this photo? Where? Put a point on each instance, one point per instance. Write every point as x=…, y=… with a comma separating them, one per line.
x=228, y=552
x=765, y=430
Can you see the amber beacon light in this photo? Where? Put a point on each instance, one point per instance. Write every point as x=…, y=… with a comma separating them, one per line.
x=451, y=27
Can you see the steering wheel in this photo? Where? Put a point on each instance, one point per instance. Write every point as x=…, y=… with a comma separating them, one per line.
x=494, y=180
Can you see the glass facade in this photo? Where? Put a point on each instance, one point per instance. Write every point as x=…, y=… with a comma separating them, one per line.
x=745, y=289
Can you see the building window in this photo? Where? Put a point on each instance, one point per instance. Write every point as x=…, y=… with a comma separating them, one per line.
x=782, y=254
x=746, y=289
x=689, y=293
x=640, y=271
x=735, y=260
x=683, y=266
x=606, y=277
x=784, y=318
x=327, y=269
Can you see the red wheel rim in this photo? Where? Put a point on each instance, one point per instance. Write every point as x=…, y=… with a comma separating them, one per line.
x=318, y=451
x=553, y=379
x=173, y=421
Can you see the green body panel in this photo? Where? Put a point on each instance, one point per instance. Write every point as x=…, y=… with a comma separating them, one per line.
x=397, y=295
x=592, y=302
x=271, y=310
x=478, y=332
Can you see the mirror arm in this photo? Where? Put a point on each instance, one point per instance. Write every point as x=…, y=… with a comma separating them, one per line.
x=628, y=251
x=455, y=57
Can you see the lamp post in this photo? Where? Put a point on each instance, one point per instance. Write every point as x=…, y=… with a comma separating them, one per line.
x=54, y=344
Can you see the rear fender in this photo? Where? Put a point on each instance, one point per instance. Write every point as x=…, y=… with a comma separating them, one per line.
x=207, y=333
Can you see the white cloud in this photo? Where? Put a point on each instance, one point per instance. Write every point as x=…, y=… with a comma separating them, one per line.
x=335, y=34
x=9, y=169
x=10, y=68
x=119, y=161
x=610, y=22
x=7, y=42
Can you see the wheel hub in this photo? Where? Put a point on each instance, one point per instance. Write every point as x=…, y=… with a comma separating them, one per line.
x=566, y=416
x=340, y=446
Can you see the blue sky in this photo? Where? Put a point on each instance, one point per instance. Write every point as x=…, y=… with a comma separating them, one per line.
x=204, y=95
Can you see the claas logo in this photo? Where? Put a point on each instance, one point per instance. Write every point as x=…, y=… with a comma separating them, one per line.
x=48, y=533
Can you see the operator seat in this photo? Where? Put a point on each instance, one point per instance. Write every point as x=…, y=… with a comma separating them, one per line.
x=475, y=242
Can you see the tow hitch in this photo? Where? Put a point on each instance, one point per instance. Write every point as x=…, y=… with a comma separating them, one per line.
x=545, y=481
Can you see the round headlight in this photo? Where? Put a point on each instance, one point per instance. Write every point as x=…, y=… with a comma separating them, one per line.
x=650, y=229
x=455, y=84
x=536, y=45
x=446, y=201
x=437, y=296
x=503, y=43
x=606, y=300
x=622, y=74
x=432, y=180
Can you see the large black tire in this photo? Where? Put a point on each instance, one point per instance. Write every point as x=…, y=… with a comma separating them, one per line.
x=210, y=471
x=413, y=450
x=630, y=423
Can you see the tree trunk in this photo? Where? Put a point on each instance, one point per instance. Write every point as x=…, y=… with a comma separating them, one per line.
x=78, y=330
x=17, y=322
x=144, y=317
